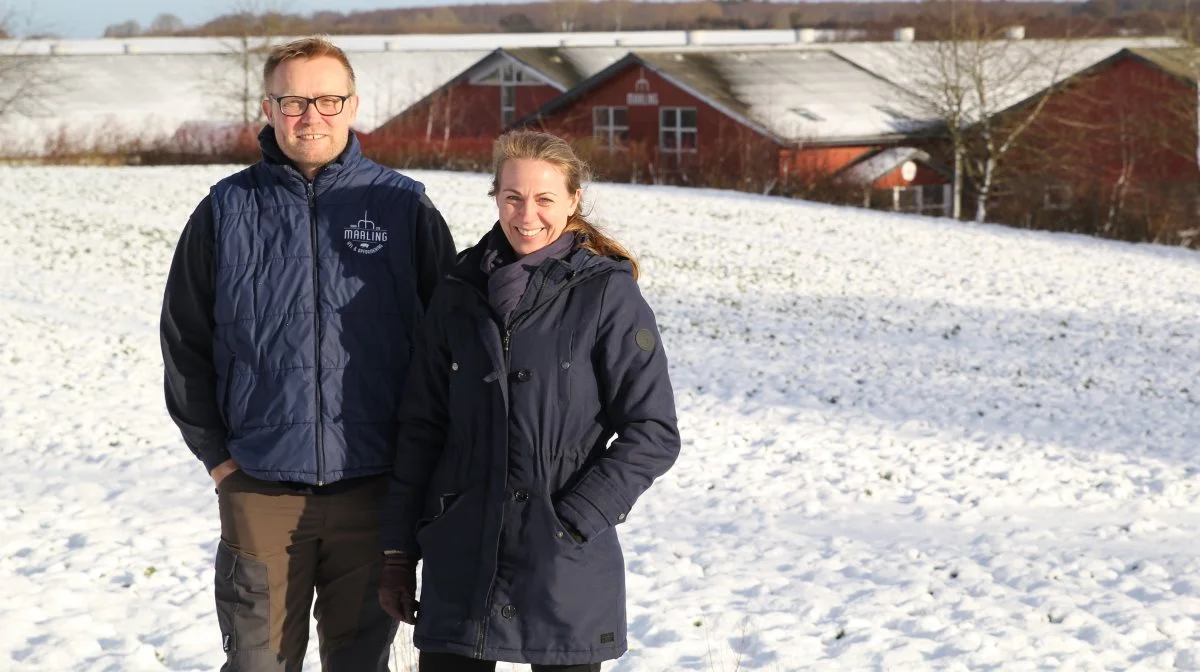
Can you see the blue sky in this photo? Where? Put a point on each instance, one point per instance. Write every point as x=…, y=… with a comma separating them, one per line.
x=72, y=18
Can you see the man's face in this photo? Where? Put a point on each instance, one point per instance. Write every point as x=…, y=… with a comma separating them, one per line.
x=311, y=140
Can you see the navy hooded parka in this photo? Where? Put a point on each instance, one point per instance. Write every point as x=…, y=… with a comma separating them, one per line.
x=508, y=481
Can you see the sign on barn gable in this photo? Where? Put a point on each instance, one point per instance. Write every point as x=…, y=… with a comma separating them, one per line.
x=641, y=95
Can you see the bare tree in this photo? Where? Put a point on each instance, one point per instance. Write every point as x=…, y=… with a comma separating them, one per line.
x=166, y=24
x=616, y=11
x=128, y=28
x=28, y=75
x=566, y=14
x=253, y=28
x=971, y=76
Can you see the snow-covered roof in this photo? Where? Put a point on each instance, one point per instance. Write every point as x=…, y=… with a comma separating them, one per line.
x=794, y=95
x=475, y=41
x=1017, y=69
x=883, y=162
x=155, y=94
x=1182, y=62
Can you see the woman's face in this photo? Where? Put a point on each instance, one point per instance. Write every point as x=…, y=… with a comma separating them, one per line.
x=534, y=204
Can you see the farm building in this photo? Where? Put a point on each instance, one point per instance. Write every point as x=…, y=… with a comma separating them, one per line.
x=783, y=119
x=1116, y=148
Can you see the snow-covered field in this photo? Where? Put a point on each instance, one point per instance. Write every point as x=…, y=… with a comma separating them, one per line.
x=908, y=444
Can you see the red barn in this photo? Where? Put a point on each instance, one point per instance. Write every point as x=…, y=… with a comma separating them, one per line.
x=480, y=102
x=1114, y=152
x=788, y=120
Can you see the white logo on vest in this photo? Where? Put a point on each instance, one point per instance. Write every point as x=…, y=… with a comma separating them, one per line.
x=364, y=236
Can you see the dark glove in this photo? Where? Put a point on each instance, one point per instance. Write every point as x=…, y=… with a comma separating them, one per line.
x=398, y=587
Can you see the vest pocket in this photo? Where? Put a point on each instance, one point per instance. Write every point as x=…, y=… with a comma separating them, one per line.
x=226, y=402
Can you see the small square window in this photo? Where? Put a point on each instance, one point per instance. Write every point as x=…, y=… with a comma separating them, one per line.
x=1057, y=197
x=609, y=127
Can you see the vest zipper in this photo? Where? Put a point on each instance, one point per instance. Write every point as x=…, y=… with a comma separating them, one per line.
x=316, y=278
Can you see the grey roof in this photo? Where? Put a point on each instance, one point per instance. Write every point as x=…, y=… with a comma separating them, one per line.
x=568, y=65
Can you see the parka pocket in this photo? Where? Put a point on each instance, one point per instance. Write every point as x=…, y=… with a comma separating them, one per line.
x=566, y=362
x=243, y=601
x=451, y=551
x=445, y=504
x=562, y=532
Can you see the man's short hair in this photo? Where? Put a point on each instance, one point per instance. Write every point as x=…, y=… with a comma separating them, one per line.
x=316, y=46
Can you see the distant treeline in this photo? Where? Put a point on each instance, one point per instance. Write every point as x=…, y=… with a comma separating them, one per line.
x=875, y=20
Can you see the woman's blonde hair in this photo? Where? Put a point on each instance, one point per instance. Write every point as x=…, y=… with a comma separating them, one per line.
x=538, y=146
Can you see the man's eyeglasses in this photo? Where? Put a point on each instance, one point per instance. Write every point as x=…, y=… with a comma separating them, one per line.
x=295, y=106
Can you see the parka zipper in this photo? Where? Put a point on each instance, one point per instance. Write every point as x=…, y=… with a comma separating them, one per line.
x=512, y=325
x=316, y=279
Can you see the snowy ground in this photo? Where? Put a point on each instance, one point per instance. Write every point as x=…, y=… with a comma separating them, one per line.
x=908, y=444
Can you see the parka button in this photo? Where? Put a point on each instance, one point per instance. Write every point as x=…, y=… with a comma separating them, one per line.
x=523, y=375
x=453, y=366
x=620, y=517
x=521, y=495
x=508, y=611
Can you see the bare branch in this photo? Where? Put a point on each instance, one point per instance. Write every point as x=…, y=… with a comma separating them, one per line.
x=236, y=81
x=28, y=75
x=987, y=89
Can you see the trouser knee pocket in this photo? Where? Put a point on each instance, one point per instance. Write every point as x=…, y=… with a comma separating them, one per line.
x=243, y=601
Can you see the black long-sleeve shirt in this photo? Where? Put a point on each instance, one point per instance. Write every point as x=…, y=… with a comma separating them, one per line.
x=187, y=325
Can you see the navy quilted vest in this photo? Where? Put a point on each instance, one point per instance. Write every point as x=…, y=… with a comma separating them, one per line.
x=315, y=304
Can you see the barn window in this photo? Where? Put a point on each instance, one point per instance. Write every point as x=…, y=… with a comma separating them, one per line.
x=610, y=127
x=930, y=199
x=677, y=129
x=1056, y=197
x=511, y=76
x=935, y=199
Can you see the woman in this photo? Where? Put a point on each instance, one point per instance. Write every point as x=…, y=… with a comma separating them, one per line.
x=537, y=350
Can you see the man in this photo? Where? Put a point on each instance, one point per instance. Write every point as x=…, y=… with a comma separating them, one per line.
x=286, y=324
